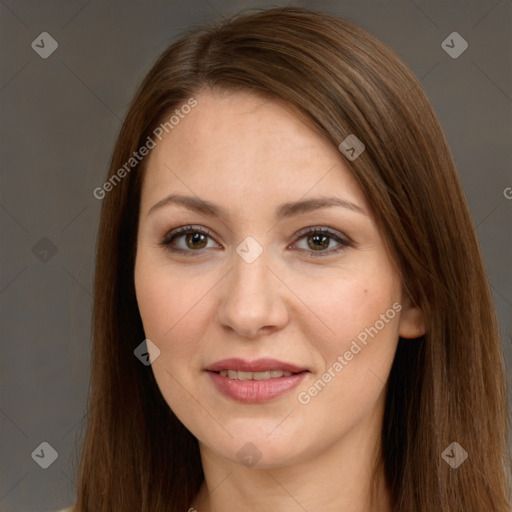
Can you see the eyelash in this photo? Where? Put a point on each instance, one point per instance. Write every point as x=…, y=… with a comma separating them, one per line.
x=185, y=230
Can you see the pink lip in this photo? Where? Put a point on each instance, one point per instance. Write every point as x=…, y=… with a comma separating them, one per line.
x=255, y=391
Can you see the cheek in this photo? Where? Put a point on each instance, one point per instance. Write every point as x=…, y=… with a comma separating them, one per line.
x=351, y=306
x=358, y=349
x=170, y=306
x=174, y=307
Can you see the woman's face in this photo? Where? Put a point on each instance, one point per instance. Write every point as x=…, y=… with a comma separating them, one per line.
x=264, y=274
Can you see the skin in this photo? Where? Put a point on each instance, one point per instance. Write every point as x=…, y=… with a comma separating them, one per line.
x=249, y=155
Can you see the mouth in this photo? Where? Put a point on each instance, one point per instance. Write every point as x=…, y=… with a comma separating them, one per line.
x=255, y=381
x=266, y=375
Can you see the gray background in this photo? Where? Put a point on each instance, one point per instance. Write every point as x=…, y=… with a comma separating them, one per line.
x=60, y=117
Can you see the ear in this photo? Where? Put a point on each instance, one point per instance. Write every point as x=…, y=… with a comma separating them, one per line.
x=412, y=321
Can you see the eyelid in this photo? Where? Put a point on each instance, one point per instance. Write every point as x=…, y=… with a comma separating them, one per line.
x=323, y=229
x=182, y=230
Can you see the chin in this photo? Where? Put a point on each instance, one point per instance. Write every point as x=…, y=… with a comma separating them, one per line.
x=260, y=451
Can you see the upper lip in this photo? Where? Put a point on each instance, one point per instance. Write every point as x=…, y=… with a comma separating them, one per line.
x=258, y=365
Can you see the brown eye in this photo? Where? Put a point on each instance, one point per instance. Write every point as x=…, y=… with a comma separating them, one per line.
x=319, y=239
x=195, y=240
x=187, y=240
x=318, y=242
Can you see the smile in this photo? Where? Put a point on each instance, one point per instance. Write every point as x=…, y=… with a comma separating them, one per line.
x=266, y=375
x=255, y=387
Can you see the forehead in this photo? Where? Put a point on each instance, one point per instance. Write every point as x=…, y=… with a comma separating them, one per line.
x=240, y=145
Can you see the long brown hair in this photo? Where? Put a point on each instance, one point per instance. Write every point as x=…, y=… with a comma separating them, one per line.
x=447, y=386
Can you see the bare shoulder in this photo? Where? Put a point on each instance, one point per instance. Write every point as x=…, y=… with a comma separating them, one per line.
x=70, y=509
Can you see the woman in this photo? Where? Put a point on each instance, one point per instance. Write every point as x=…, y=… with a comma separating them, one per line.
x=291, y=310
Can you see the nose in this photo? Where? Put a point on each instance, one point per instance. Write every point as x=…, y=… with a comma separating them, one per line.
x=253, y=301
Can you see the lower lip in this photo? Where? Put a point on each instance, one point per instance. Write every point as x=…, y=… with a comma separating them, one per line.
x=255, y=391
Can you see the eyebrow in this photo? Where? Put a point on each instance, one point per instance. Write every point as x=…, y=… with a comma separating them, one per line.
x=285, y=210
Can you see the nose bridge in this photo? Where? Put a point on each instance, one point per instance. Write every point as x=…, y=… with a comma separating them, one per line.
x=251, y=276
x=252, y=298
x=250, y=280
